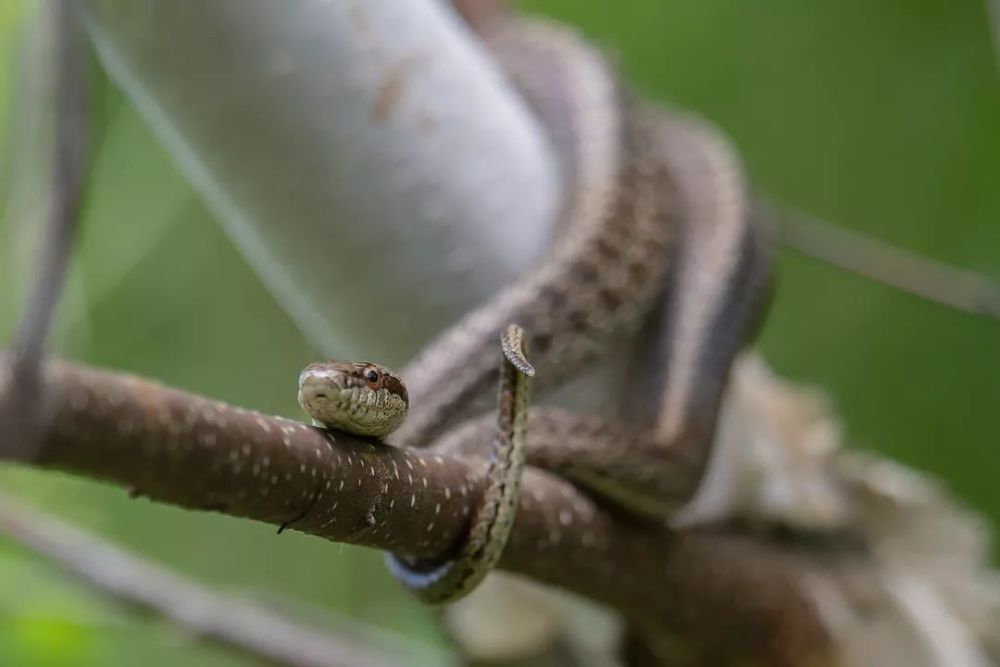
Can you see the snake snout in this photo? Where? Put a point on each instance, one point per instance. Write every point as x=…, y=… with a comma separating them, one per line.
x=319, y=395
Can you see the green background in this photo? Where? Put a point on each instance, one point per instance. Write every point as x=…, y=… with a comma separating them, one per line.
x=879, y=116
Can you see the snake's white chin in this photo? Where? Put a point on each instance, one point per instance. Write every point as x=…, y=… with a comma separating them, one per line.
x=324, y=399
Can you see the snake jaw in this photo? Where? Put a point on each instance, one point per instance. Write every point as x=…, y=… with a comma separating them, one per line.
x=341, y=396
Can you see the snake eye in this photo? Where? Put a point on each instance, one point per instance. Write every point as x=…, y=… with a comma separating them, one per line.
x=371, y=375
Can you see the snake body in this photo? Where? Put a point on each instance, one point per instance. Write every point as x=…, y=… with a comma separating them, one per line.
x=364, y=398
x=613, y=232
x=658, y=222
x=657, y=219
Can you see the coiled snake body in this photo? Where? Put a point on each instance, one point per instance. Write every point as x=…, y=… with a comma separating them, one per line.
x=656, y=218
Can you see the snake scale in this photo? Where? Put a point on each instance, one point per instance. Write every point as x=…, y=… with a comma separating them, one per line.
x=657, y=231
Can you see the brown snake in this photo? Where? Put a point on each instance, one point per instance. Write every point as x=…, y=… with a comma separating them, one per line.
x=368, y=399
x=654, y=204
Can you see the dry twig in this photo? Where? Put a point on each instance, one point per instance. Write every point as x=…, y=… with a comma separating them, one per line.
x=922, y=277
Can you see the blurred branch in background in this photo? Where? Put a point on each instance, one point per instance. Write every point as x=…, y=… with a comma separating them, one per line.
x=200, y=612
x=20, y=415
x=431, y=154
x=412, y=147
x=964, y=291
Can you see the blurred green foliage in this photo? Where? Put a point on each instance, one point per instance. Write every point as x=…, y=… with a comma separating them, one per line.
x=879, y=116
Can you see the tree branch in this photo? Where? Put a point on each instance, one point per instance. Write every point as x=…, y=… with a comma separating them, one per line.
x=237, y=624
x=190, y=451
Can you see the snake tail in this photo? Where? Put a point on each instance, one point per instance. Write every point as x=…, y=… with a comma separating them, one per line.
x=441, y=583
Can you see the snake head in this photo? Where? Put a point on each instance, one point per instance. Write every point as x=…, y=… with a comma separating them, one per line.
x=362, y=398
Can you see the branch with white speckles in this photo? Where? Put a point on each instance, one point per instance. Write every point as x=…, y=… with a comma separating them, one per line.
x=175, y=447
x=237, y=624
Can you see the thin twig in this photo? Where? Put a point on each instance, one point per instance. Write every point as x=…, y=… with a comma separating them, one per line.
x=67, y=187
x=206, y=614
x=925, y=278
x=28, y=346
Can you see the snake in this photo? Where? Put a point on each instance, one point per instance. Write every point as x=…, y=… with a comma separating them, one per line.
x=657, y=238
x=368, y=399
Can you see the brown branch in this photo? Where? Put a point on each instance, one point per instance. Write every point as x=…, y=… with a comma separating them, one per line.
x=237, y=624
x=201, y=454
x=925, y=278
